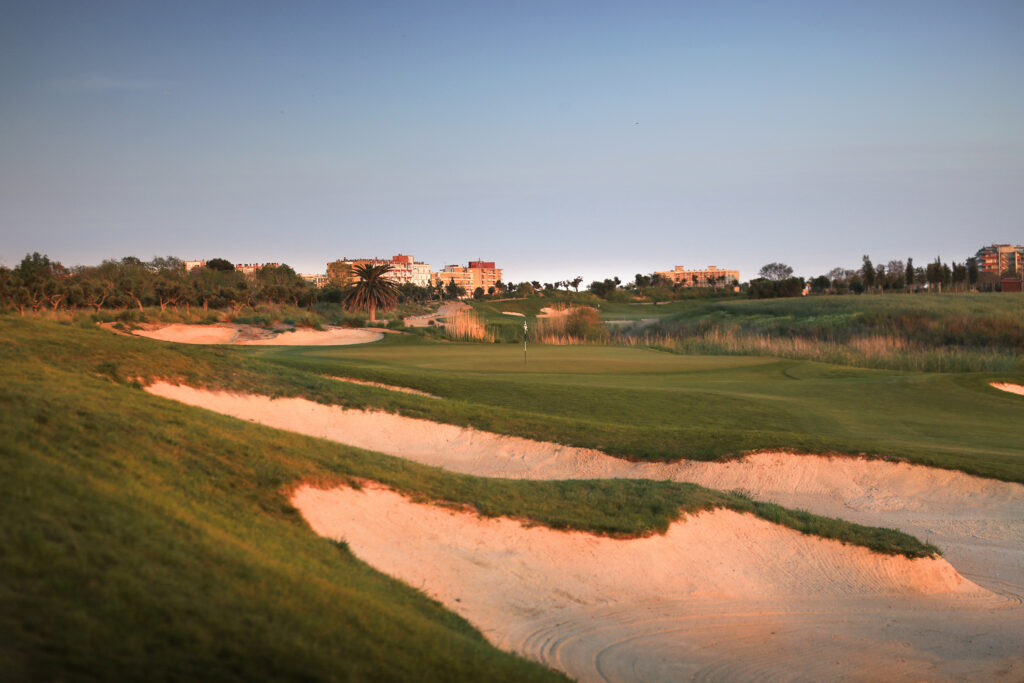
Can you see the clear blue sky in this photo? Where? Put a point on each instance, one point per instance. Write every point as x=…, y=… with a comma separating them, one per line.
x=557, y=138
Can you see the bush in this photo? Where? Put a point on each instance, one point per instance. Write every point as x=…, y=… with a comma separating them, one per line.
x=762, y=288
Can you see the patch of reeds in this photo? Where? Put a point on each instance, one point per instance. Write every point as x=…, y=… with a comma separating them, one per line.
x=869, y=351
x=570, y=325
x=465, y=325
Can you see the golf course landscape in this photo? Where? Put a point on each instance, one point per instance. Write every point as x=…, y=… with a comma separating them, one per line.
x=675, y=499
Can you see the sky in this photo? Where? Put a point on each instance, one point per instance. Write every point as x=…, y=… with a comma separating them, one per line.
x=557, y=138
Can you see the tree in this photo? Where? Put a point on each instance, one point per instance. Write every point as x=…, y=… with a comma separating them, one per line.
x=279, y=284
x=372, y=290
x=909, y=277
x=867, y=273
x=134, y=279
x=169, y=284
x=220, y=264
x=97, y=283
x=606, y=288
x=576, y=282
x=215, y=285
x=775, y=271
x=339, y=273
x=37, y=279
x=959, y=276
x=454, y=291
x=763, y=288
x=895, y=274
x=478, y=293
x=972, y=271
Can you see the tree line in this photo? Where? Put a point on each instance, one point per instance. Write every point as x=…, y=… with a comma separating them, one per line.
x=40, y=283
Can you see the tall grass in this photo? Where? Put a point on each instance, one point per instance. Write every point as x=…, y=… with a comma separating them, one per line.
x=570, y=325
x=873, y=351
x=465, y=325
x=934, y=333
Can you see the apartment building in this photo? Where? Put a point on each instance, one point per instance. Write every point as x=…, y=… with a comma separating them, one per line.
x=318, y=280
x=998, y=258
x=710, y=276
x=192, y=265
x=475, y=274
x=404, y=269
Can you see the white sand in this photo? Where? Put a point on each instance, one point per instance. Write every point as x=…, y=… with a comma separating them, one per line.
x=250, y=335
x=1012, y=388
x=721, y=596
x=389, y=387
x=520, y=315
x=979, y=524
x=331, y=336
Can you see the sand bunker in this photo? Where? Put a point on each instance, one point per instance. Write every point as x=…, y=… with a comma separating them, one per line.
x=720, y=596
x=1012, y=388
x=979, y=524
x=520, y=315
x=389, y=387
x=226, y=333
x=560, y=310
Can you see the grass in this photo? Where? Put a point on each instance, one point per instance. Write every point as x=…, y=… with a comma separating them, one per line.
x=648, y=405
x=147, y=539
x=933, y=333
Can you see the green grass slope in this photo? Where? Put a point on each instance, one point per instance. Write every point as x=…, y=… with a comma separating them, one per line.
x=144, y=541
x=147, y=539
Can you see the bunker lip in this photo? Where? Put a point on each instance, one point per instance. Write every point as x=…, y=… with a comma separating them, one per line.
x=678, y=603
x=686, y=571
x=379, y=385
x=251, y=335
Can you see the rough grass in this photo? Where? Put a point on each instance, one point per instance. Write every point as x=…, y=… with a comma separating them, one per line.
x=465, y=325
x=926, y=332
x=147, y=539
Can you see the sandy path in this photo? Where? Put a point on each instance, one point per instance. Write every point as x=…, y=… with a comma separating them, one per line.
x=720, y=596
x=442, y=312
x=1012, y=388
x=250, y=335
x=979, y=524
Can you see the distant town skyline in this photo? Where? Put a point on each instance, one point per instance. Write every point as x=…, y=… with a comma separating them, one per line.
x=558, y=139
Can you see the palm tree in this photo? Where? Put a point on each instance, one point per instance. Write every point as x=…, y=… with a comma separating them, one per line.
x=372, y=290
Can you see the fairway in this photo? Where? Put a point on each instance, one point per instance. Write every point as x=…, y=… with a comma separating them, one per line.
x=651, y=405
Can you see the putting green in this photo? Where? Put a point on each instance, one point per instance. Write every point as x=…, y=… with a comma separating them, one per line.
x=653, y=405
